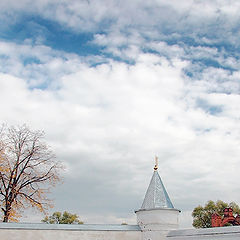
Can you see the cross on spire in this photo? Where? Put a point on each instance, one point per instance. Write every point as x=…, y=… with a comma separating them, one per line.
x=156, y=164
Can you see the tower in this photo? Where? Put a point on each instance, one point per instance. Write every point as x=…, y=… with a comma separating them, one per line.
x=157, y=214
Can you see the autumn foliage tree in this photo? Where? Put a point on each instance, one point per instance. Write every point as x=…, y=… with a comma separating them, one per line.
x=28, y=169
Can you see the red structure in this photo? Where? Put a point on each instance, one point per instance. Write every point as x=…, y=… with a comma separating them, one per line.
x=218, y=221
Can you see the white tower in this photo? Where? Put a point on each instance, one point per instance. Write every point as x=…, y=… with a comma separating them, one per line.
x=157, y=215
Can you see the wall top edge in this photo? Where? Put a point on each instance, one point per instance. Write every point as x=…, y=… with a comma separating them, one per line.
x=70, y=227
x=204, y=231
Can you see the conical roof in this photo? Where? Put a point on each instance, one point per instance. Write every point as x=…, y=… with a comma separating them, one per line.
x=156, y=195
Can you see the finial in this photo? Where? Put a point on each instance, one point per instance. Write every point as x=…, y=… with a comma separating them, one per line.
x=156, y=164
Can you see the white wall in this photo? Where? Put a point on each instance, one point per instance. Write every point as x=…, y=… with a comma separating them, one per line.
x=157, y=219
x=219, y=233
x=21, y=231
x=9, y=231
x=16, y=234
x=155, y=223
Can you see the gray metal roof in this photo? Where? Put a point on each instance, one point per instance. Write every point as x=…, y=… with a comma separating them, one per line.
x=71, y=227
x=156, y=195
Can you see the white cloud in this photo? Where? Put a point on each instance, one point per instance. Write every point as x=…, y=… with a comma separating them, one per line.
x=90, y=15
x=107, y=122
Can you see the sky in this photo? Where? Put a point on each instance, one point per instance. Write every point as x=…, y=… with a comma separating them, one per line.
x=114, y=83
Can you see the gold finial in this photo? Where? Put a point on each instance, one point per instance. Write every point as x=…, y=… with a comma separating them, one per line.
x=156, y=163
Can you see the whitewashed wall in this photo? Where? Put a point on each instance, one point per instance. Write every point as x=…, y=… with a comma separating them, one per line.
x=156, y=223
x=12, y=231
x=220, y=233
x=21, y=231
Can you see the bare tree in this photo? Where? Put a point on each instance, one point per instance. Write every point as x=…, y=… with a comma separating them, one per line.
x=28, y=170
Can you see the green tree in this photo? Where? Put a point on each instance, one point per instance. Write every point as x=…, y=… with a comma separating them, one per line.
x=65, y=218
x=202, y=215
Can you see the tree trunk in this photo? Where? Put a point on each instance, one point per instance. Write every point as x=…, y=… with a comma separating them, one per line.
x=6, y=213
x=5, y=219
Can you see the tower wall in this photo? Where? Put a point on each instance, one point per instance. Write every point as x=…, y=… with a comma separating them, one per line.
x=156, y=223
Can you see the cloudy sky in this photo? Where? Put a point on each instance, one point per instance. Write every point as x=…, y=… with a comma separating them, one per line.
x=114, y=83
